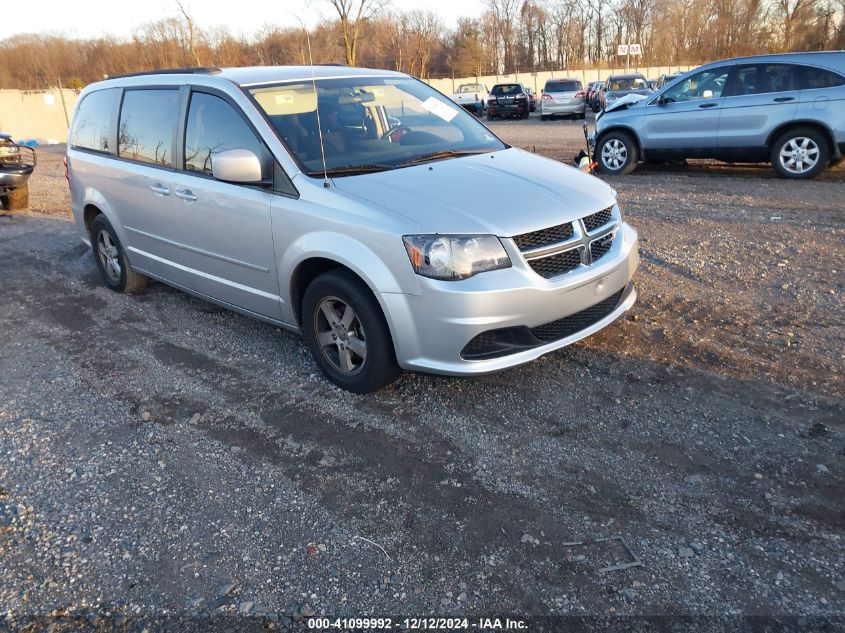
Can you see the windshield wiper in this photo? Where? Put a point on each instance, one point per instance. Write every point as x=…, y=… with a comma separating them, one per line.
x=449, y=153
x=351, y=170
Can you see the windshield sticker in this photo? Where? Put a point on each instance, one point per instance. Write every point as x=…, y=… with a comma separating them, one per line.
x=439, y=109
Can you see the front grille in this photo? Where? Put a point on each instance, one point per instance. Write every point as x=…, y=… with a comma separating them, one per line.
x=544, y=237
x=555, y=265
x=567, y=326
x=596, y=220
x=561, y=240
x=601, y=247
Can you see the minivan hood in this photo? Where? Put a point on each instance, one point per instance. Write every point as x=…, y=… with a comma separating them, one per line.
x=503, y=193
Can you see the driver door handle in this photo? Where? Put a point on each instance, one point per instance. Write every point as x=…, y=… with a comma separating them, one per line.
x=185, y=194
x=708, y=105
x=782, y=99
x=160, y=189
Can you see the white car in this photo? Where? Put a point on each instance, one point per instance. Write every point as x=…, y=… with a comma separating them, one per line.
x=471, y=97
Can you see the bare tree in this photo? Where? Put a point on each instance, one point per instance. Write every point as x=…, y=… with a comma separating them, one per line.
x=352, y=15
x=189, y=33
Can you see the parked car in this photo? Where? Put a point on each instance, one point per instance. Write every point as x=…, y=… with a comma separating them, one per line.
x=532, y=99
x=17, y=163
x=597, y=99
x=507, y=100
x=591, y=90
x=563, y=97
x=472, y=97
x=665, y=79
x=620, y=85
x=787, y=109
x=386, y=250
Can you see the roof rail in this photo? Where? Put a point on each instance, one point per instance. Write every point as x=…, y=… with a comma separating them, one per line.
x=196, y=70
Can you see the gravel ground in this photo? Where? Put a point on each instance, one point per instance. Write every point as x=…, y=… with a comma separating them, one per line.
x=165, y=463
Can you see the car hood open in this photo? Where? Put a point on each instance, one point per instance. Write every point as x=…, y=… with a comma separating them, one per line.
x=503, y=193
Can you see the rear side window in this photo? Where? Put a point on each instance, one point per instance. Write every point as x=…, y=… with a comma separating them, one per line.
x=147, y=126
x=809, y=78
x=563, y=86
x=753, y=79
x=93, y=121
x=213, y=127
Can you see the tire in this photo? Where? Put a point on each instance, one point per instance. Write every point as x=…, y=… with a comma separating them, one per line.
x=107, y=248
x=490, y=116
x=795, y=149
x=616, y=153
x=544, y=117
x=17, y=199
x=336, y=292
x=583, y=115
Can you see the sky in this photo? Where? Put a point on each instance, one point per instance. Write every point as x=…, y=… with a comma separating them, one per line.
x=92, y=18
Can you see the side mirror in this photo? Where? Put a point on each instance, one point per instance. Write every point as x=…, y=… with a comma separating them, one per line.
x=236, y=165
x=661, y=100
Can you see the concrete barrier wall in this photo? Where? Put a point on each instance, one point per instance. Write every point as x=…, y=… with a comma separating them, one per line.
x=41, y=115
x=538, y=80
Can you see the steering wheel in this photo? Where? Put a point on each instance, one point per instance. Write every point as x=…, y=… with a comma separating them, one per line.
x=389, y=135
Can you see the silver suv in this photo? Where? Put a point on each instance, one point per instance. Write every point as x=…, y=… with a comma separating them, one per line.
x=786, y=109
x=361, y=208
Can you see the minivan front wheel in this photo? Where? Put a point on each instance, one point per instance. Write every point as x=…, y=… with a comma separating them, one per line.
x=617, y=153
x=347, y=333
x=111, y=259
x=800, y=153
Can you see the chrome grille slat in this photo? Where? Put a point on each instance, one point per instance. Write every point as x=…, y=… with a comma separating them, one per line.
x=563, y=248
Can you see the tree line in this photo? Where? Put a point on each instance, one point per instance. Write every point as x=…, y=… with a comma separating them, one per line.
x=508, y=36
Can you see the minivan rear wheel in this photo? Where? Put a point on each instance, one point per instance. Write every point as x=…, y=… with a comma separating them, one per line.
x=347, y=333
x=617, y=153
x=111, y=260
x=800, y=153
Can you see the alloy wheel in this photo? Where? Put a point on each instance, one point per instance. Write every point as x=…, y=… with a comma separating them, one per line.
x=340, y=335
x=614, y=154
x=107, y=253
x=799, y=155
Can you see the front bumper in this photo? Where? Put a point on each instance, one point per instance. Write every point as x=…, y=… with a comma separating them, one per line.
x=11, y=177
x=430, y=330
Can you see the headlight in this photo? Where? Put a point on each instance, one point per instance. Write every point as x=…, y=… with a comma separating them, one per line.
x=454, y=257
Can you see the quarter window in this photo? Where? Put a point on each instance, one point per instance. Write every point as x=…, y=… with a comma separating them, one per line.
x=810, y=78
x=93, y=120
x=213, y=127
x=708, y=84
x=147, y=125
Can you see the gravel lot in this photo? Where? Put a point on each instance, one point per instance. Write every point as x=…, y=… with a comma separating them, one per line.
x=166, y=463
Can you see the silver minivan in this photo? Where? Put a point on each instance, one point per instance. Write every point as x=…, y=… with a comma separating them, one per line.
x=359, y=207
x=788, y=109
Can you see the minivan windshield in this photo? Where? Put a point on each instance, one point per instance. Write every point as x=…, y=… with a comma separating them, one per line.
x=369, y=124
